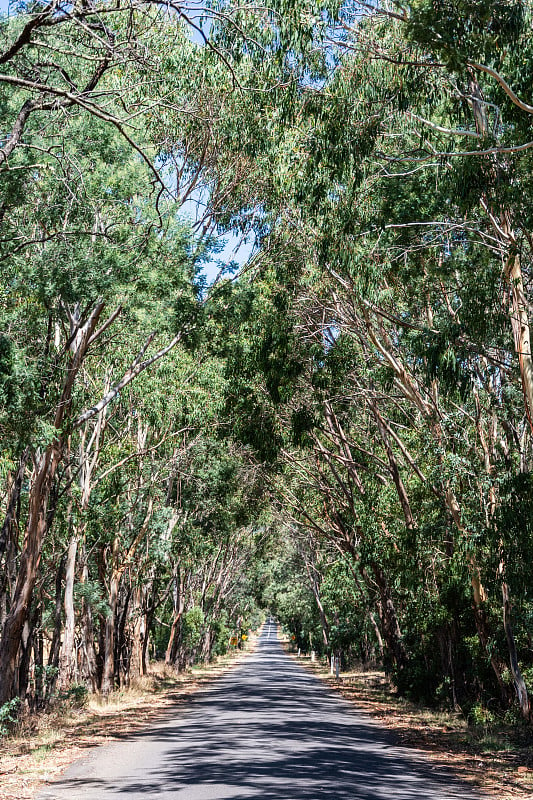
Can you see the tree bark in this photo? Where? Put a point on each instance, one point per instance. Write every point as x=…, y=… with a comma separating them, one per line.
x=138, y=632
x=108, y=668
x=171, y=654
x=520, y=685
x=55, y=645
x=9, y=537
x=377, y=632
x=88, y=661
x=391, y=626
x=145, y=655
x=67, y=659
x=315, y=588
x=123, y=647
x=174, y=639
x=45, y=470
x=395, y=472
x=40, y=679
x=521, y=329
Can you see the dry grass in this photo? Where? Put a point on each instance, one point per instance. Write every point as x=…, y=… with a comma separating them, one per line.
x=498, y=760
x=43, y=745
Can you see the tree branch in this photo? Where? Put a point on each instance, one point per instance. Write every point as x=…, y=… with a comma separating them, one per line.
x=131, y=373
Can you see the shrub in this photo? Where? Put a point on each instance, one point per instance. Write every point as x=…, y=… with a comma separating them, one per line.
x=8, y=715
x=75, y=696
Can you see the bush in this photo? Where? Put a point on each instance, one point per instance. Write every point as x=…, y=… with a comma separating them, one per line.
x=221, y=635
x=8, y=715
x=192, y=630
x=75, y=696
x=480, y=717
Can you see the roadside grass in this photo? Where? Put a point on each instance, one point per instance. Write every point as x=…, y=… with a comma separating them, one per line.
x=42, y=745
x=496, y=757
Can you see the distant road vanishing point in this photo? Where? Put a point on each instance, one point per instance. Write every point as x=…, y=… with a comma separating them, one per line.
x=268, y=730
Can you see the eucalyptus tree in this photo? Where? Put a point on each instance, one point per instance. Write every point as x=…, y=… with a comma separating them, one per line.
x=98, y=118
x=54, y=318
x=412, y=276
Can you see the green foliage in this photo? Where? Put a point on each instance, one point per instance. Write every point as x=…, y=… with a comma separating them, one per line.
x=193, y=625
x=90, y=592
x=76, y=696
x=8, y=715
x=471, y=30
x=221, y=633
x=340, y=435
x=480, y=717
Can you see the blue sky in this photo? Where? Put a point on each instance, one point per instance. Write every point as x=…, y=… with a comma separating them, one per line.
x=235, y=249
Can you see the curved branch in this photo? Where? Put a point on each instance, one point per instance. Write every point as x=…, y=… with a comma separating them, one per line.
x=510, y=150
x=25, y=35
x=504, y=85
x=439, y=128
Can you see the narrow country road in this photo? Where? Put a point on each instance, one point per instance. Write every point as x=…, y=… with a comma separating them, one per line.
x=267, y=730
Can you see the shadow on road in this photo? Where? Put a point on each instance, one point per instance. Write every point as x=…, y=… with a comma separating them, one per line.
x=268, y=731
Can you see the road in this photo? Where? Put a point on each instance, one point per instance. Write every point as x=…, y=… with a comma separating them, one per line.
x=267, y=730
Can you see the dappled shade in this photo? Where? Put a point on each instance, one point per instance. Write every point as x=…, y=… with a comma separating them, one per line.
x=270, y=731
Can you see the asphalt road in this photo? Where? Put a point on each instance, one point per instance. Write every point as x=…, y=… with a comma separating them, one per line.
x=267, y=730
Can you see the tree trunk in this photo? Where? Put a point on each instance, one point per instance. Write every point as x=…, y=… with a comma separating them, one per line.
x=108, y=665
x=87, y=661
x=497, y=664
x=174, y=639
x=315, y=588
x=22, y=668
x=145, y=656
x=38, y=664
x=138, y=632
x=207, y=645
x=9, y=537
x=377, y=632
x=521, y=330
x=67, y=659
x=391, y=627
x=520, y=686
x=44, y=473
x=122, y=643
x=53, y=655
x=395, y=472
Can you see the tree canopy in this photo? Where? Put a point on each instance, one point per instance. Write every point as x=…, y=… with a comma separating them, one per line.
x=339, y=430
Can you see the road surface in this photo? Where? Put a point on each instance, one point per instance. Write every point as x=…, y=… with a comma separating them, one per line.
x=268, y=730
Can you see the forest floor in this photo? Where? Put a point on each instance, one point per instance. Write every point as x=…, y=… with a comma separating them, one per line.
x=43, y=745
x=497, y=759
